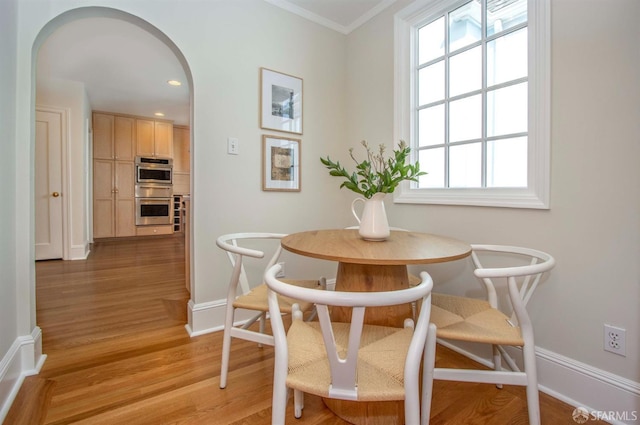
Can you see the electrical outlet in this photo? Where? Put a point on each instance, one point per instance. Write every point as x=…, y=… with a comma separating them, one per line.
x=615, y=340
x=280, y=274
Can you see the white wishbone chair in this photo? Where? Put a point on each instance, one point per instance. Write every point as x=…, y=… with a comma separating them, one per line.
x=476, y=320
x=242, y=295
x=351, y=361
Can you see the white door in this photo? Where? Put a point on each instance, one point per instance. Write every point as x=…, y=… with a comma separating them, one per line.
x=48, y=185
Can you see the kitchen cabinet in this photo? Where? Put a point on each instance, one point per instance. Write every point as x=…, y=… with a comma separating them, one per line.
x=113, y=198
x=154, y=139
x=181, y=147
x=154, y=230
x=113, y=175
x=187, y=241
x=181, y=160
x=113, y=137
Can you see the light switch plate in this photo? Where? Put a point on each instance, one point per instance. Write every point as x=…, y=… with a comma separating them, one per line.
x=232, y=146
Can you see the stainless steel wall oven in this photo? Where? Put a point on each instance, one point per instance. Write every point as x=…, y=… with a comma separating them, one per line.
x=154, y=170
x=154, y=191
x=154, y=205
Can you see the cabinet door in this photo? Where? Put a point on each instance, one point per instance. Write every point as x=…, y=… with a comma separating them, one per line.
x=103, y=136
x=124, y=135
x=125, y=206
x=163, y=139
x=103, y=199
x=144, y=138
x=181, y=143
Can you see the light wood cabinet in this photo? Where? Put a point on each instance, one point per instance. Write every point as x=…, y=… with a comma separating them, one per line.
x=154, y=230
x=124, y=133
x=103, y=134
x=181, y=160
x=181, y=147
x=113, y=175
x=103, y=198
x=113, y=137
x=113, y=199
x=154, y=138
x=163, y=132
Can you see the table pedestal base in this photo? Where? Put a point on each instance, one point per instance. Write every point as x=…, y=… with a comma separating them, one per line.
x=373, y=278
x=368, y=413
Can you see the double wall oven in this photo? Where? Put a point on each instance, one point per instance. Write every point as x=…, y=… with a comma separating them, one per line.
x=154, y=191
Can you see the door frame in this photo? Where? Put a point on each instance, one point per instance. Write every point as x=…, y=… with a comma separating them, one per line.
x=65, y=114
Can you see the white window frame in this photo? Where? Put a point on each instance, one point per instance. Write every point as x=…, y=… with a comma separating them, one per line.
x=536, y=194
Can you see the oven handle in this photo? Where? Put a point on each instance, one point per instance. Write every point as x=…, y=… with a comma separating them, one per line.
x=153, y=200
x=144, y=186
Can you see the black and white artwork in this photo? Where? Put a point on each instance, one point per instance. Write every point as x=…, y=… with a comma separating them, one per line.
x=281, y=101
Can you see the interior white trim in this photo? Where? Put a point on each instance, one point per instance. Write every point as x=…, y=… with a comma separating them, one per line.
x=313, y=17
x=537, y=195
x=206, y=317
x=24, y=358
x=65, y=125
x=79, y=252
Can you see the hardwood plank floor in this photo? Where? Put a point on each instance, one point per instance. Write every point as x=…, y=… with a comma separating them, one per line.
x=118, y=353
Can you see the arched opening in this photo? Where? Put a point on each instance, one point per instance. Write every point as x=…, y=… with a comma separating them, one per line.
x=47, y=31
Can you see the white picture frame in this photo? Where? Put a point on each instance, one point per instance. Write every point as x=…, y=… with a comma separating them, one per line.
x=280, y=101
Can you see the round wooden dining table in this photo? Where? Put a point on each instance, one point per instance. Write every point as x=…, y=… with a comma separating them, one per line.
x=374, y=266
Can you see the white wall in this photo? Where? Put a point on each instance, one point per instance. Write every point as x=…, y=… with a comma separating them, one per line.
x=72, y=95
x=8, y=296
x=20, y=339
x=592, y=227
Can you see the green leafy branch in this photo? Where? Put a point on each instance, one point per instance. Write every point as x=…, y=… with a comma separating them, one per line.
x=376, y=173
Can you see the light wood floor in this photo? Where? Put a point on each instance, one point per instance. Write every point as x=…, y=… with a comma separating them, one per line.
x=118, y=353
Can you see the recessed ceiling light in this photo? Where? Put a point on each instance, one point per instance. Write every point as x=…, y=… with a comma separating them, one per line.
x=174, y=83
x=159, y=114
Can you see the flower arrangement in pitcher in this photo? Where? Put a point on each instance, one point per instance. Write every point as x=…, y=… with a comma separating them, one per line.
x=376, y=173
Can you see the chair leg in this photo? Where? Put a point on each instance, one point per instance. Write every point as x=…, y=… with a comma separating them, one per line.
x=428, y=365
x=226, y=346
x=298, y=403
x=279, y=402
x=280, y=391
x=263, y=320
x=497, y=361
x=533, y=401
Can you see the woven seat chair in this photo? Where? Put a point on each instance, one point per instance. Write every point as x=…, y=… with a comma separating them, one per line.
x=241, y=295
x=351, y=361
x=477, y=320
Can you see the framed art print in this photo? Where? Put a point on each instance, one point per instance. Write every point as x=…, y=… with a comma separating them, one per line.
x=280, y=164
x=280, y=101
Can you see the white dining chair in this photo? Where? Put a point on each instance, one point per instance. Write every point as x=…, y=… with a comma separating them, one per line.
x=241, y=295
x=351, y=361
x=482, y=321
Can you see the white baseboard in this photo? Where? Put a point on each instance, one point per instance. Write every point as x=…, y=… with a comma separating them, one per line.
x=205, y=318
x=79, y=252
x=605, y=396
x=23, y=359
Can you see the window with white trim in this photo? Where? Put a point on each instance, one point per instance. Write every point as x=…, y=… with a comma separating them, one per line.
x=472, y=99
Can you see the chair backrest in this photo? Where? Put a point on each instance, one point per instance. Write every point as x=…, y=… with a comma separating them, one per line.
x=343, y=369
x=232, y=244
x=522, y=279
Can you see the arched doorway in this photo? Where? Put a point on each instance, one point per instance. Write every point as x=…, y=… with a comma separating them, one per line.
x=81, y=206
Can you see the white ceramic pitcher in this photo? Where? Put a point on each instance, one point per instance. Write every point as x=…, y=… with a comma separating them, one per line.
x=373, y=225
